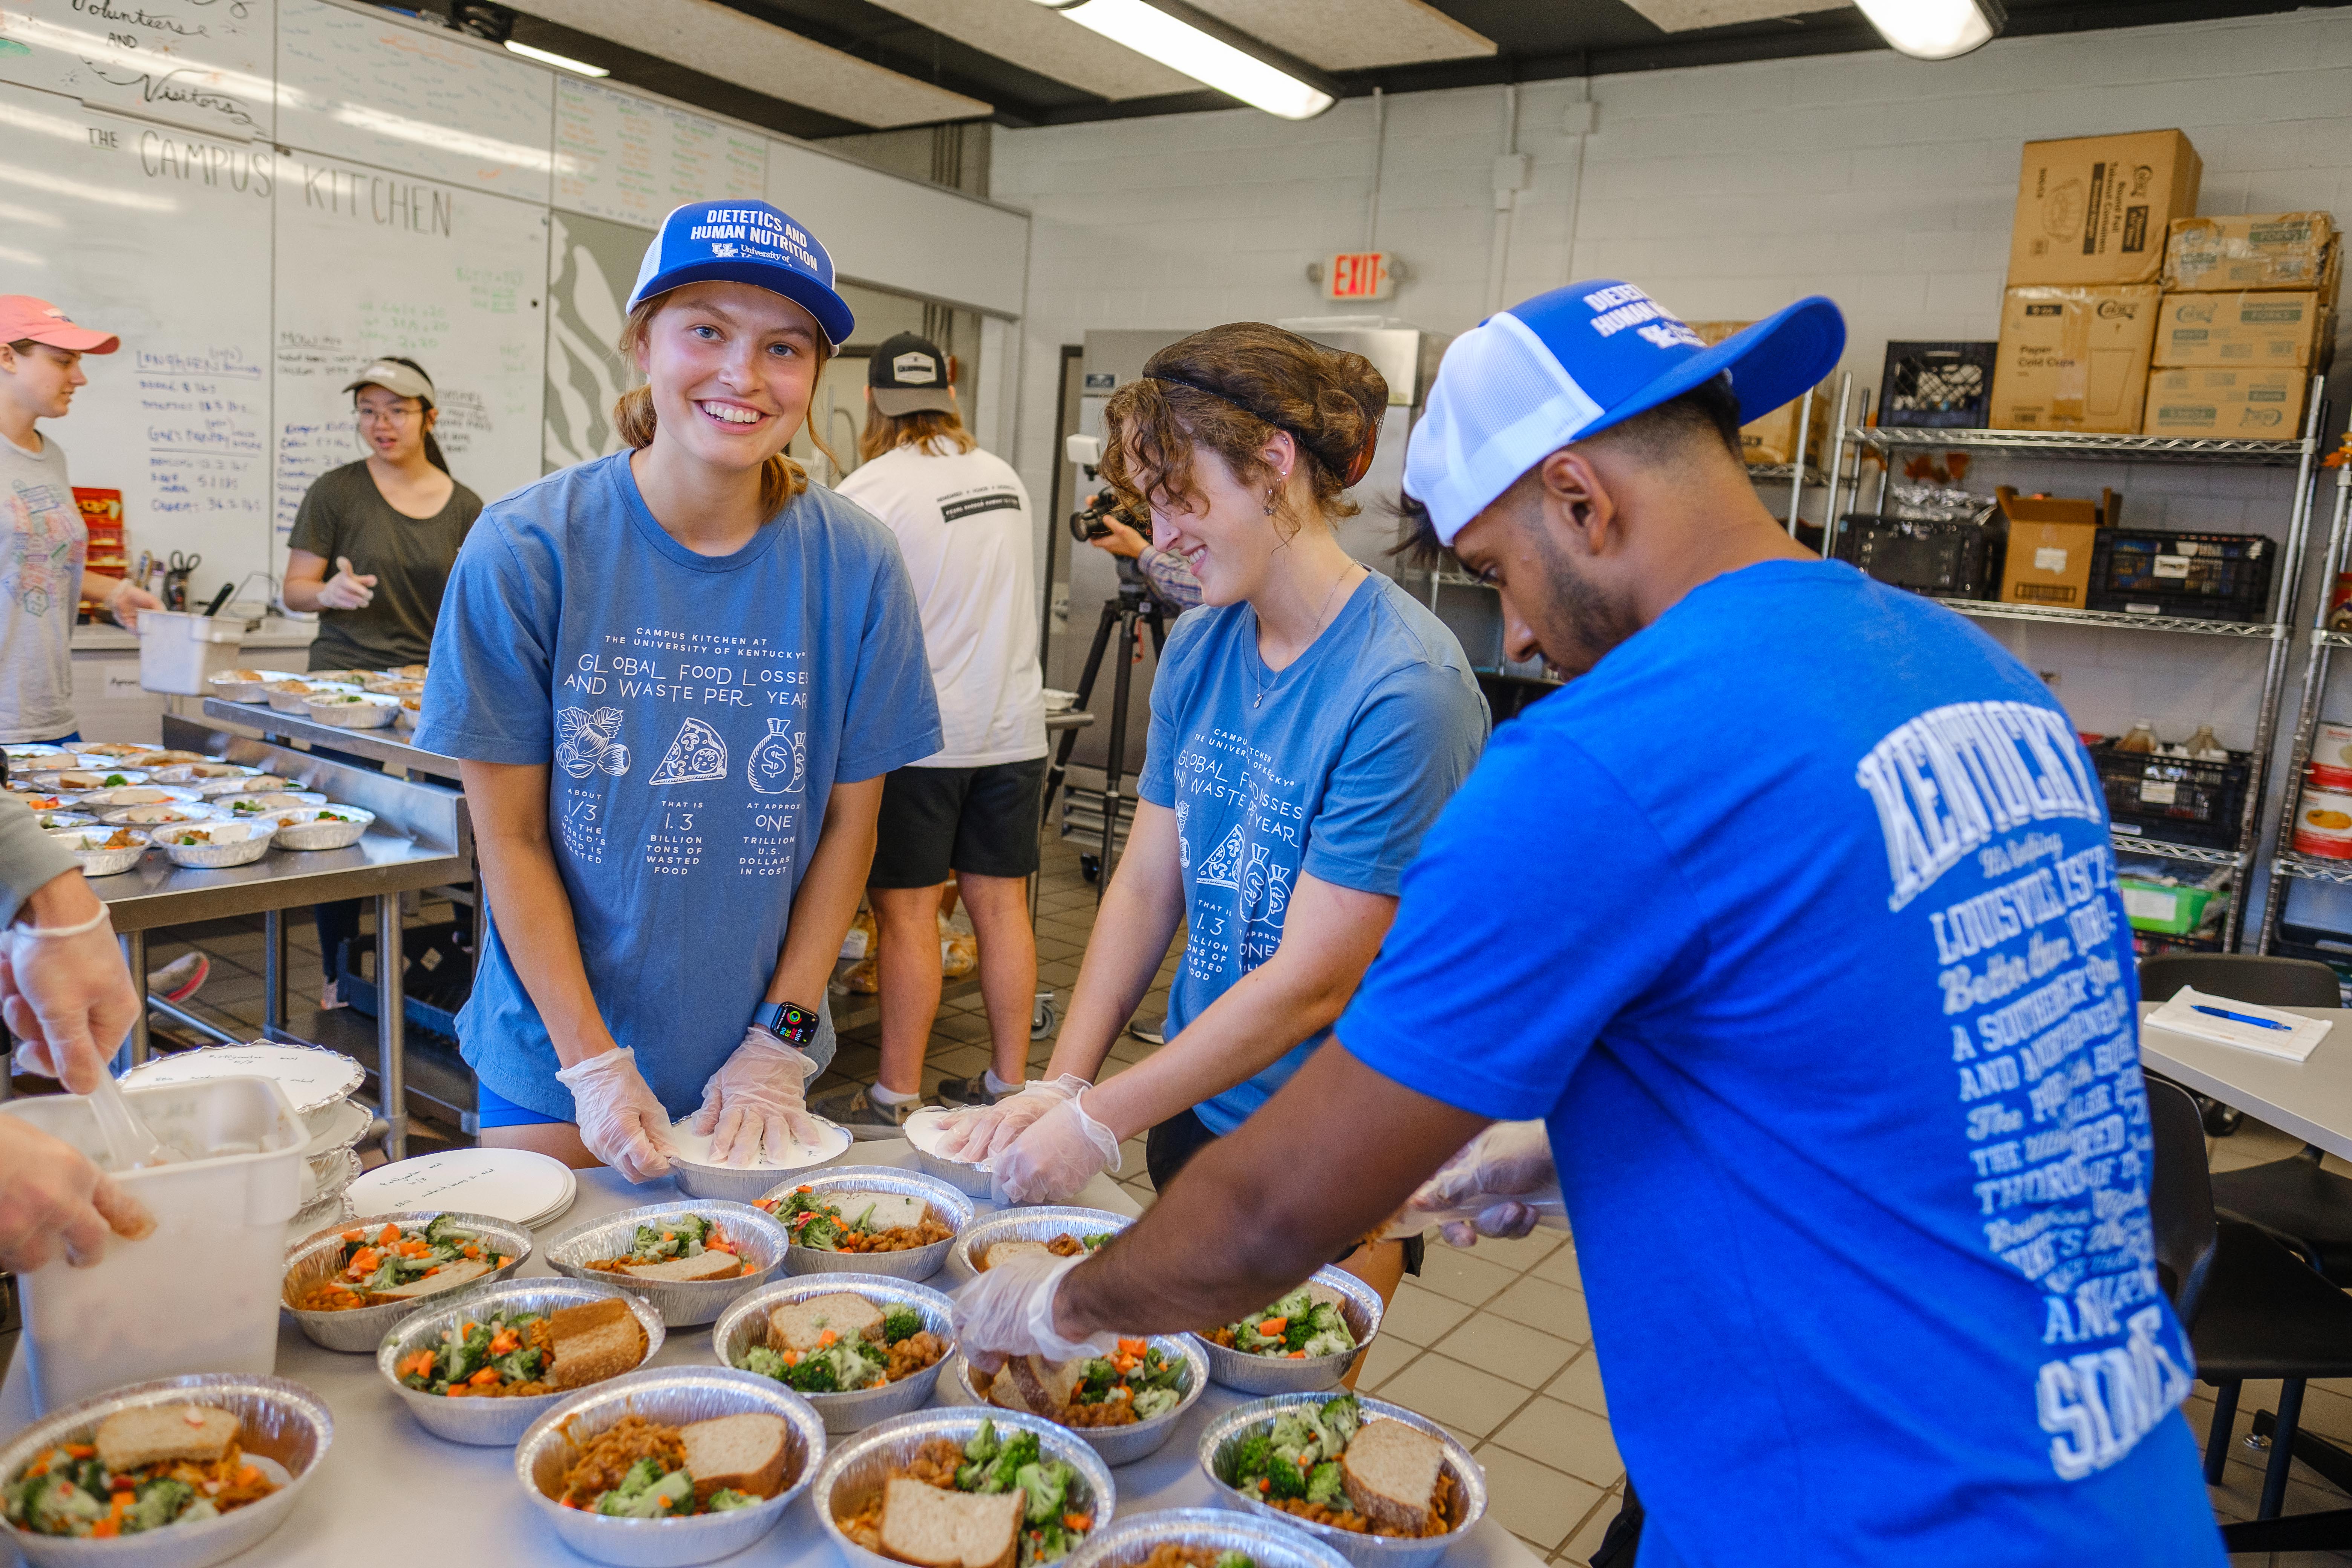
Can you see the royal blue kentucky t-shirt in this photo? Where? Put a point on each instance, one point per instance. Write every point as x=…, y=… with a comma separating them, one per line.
x=1796, y=920
x=696, y=711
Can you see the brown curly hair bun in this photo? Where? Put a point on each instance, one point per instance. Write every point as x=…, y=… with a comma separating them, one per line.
x=1231, y=388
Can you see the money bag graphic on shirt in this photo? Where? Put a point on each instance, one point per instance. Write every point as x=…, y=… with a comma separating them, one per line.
x=779, y=763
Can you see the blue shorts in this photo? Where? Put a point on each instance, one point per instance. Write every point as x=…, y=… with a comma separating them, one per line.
x=492, y=1109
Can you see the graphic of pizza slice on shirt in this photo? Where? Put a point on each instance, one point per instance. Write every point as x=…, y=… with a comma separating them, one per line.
x=698, y=756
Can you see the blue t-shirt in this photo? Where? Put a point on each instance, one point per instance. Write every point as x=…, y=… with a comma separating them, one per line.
x=1335, y=766
x=696, y=711
x=1796, y=920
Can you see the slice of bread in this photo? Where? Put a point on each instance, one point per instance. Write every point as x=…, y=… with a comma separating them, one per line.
x=1035, y=1384
x=746, y=1452
x=1004, y=1249
x=133, y=1439
x=594, y=1341
x=932, y=1527
x=703, y=1265
x=890, y=1211
x=1391, y=1472
x=447, y=1277
x=799, y=1325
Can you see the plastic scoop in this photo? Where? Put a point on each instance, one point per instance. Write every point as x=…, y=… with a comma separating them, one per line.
x=131, y=1143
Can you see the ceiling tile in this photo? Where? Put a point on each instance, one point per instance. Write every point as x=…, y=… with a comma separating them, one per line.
x=1353, y=35
x=705, y=35
x=1684, y=16
x=1037, y=40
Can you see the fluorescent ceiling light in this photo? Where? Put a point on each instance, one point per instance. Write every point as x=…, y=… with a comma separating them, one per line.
x=1176, y=43
x=1935, y=29
x=561, y=62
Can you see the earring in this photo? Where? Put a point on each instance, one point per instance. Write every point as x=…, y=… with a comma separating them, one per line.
x=1270, y=493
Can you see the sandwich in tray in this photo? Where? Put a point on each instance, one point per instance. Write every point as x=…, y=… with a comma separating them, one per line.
x=513, y=1353
x=679, y=1247
x=993, y=1501
x=637, y=1468
x=841, y=1343
x=858, y=1222
x=1136, y=1384
x=1306, y=1322
x=388, y=1264
x=1066, y=1245
x=1326, y=1463
x=145, y=1468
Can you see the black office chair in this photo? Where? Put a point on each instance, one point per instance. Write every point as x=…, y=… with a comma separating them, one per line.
x=2308, y=1209
x=2254, y=1310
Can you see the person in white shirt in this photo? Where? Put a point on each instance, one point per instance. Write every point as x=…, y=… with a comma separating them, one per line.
x=963, y=524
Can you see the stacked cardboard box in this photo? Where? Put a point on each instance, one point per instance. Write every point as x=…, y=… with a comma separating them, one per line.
x=2247, y=319
x=2086, y=247
x=1771, y=440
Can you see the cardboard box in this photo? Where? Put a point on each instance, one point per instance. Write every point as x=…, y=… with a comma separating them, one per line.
x=2250, y=250
x=2049, y=563
x=2096, y=209
x=2073, y=359
x=2276, y=329
x=2099, y=513
x=1772, y=438
x=2249, y=405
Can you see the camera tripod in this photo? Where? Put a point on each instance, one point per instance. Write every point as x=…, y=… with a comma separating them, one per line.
x=1124, y=617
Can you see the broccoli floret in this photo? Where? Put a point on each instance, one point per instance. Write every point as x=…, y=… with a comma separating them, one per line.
x=442, y=1231
x=58, y=1505
x=1235, y=1560
x=764, y=1361
x=1156, y=1401
x=1091, y=1242
x=159, y=1504
x=1339, y=1419
x=1323, y=1483
x=982, y=1446
x=1252, y=1459
x=1329, y=1344
x=971, y=1477
x=820, y=1233
x=646, y=1243
x=1287, y=1478
x=1048, y=1543
x=1297, y=1304
x=900, y=1323
x=727, y=1500
x=1046, y=1488
x=523, y=1365
x=1095, y=1383
x=1296, y=1436
x=646, y=1493
x=1020, y=1450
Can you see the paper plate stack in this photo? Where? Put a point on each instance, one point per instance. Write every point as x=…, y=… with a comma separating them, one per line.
x=511, y=1184
x=321, y=1083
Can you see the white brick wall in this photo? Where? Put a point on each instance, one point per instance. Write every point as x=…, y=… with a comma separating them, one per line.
x=1884, y=182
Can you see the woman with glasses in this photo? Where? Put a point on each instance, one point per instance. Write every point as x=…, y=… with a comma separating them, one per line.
x=372, y=549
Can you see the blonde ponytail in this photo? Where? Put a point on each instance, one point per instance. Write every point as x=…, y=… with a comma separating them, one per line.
x=781, y=478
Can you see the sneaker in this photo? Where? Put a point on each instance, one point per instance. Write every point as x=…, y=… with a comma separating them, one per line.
x=865, y=1116
x=972, y=1090
x=1155, y=1035
x=330, y=998
x=180, y=979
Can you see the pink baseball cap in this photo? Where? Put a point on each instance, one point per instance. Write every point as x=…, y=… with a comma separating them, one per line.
x=21, y=317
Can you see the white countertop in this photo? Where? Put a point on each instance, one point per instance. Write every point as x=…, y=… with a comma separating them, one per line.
x=384, y=1472
x=275, y=631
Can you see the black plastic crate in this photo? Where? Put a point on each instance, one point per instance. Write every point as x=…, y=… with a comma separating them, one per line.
x=2173, y=800
x=2206, y=577
x=438, y=978
x=1946, y=559
x=1946, y=386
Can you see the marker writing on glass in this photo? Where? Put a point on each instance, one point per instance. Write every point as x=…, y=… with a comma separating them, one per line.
x=2240, y=1018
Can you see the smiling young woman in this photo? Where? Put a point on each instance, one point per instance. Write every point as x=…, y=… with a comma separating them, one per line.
x=674, y=677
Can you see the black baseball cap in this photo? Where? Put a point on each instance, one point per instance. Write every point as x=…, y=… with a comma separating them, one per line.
x=907, y=374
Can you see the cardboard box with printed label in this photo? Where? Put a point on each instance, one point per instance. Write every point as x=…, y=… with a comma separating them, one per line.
x=1772, y=438
x=2249, y=405
x=2272, y=328
x=2073, y=359
x=2250, y=250
x=2096, y=209
x=2049, y=563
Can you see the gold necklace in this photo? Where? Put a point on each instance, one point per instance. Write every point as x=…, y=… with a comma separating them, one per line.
x=1259, y=699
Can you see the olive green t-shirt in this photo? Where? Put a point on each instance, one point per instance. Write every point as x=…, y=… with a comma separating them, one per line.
x=344, y=514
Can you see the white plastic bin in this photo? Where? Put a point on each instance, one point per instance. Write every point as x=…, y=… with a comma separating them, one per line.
x=201, y=1293
x=178, y=653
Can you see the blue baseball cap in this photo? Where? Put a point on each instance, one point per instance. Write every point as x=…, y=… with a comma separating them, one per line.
x=1570, y=363
x=744, y=242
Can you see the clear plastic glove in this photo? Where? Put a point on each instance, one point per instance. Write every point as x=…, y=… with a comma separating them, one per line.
x=1056, y=1154
x=69, y=1000
x=1009, y=1311
x=127, y=600
x=1507, y=1159
x=620, y=1121
x=346, y=590
x=978, y=1133
x=756, y=1101
x=52, y=1198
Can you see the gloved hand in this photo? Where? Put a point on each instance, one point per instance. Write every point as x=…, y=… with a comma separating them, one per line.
x=1054, y=1157
x=68, y=998
x=52, y=1198
x=1506, y=1158
x=346, y=590
x=1009, y=1311
x=976, y=1133
x=755, y=1101
x=620, y=1121
x=127, y=600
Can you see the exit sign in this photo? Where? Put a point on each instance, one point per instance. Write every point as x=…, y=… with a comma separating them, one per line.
x=1359, y=275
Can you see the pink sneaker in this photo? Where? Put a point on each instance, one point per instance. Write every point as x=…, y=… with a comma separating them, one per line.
x=180, y=979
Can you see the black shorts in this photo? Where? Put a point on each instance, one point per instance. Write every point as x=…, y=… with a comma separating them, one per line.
x=937, y=820
x=1170, y=1147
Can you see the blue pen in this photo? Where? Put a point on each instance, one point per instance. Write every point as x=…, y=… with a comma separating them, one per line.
x=2240, y=1018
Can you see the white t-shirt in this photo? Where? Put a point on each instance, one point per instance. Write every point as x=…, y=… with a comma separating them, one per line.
x=42, y=543
x=962, y=523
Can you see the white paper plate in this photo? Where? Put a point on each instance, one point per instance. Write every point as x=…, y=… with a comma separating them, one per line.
x=340, y=1127
x=313, y=1078
x=694, y=1148
x=563, y=1206
x=926, y=1129
x=511, y=1184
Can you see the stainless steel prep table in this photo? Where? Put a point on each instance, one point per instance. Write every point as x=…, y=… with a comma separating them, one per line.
x=385, y=1468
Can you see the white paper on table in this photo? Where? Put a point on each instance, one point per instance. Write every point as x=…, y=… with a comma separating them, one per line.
x=2294, y=1041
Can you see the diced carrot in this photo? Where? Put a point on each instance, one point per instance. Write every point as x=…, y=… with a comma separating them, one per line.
x=365, y=1262
x=354, y=1236
x=725, y=1246
x=483, y=1378
x=40, y=1466
x=106, y=1529
x=470, y=1250
x=420, y=1364
x=1264, y=1483
x=249, y=1476
x=1134, y=1347
x=827, y=1339
x=1296, y=1355
x=1275, y=1328
x=387, y=1235
x=82, y=1451
x=1077, y=1521
x=792, y=1358
x=663, y=1500
x=803, y=1189
x=504, y=1260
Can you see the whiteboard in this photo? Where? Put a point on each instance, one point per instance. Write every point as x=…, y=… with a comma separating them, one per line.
x=450, y=277
x=205, y=64
x=633, y=159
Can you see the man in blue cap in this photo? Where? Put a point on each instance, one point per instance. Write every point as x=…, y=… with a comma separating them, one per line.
x=1793, y=922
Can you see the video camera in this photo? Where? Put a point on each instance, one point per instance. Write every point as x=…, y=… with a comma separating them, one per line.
x=1086, y=523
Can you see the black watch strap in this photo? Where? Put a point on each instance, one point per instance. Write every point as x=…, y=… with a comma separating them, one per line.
x=788, y=1021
